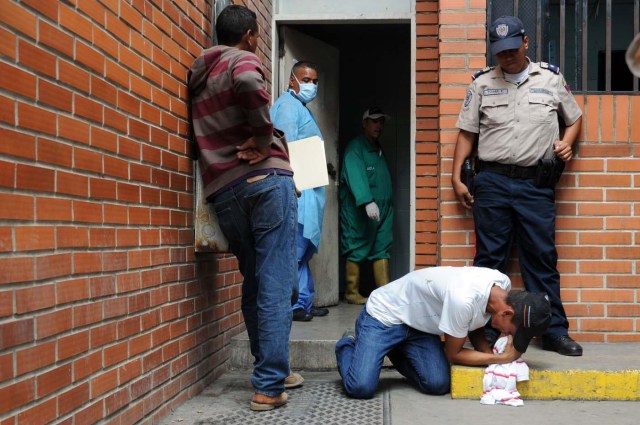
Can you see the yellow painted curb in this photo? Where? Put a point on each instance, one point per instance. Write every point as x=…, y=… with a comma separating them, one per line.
x=466, y=383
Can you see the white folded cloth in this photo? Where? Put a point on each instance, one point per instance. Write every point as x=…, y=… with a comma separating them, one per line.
x=499, y=382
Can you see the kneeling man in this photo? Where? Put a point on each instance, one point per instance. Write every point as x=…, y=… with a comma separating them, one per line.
x=405, y=319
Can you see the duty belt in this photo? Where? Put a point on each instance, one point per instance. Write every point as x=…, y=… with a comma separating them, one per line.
x=513, y=171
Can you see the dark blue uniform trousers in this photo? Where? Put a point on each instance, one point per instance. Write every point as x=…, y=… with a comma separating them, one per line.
x=509, y=209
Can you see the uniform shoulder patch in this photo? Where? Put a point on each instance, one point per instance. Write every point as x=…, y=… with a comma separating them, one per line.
x=553, y=68
x=482, y=71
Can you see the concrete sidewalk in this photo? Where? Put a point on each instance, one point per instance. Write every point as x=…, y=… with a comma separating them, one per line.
x=226, y=402
x=561, y=389
x=604, y=372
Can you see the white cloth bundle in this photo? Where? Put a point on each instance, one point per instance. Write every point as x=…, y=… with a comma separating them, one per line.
x=499, y=382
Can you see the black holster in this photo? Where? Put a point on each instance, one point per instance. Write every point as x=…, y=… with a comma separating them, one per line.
x=548, y=172
x=468, y=173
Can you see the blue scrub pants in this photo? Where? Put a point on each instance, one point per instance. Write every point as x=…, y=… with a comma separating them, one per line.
x=304, y=251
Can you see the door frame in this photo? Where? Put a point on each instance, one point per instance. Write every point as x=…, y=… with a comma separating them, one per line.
x=407, y=16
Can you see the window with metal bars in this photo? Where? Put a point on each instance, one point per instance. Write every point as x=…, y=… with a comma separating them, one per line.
x=587, y=39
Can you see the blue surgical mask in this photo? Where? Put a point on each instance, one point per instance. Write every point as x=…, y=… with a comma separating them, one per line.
x=308, y=91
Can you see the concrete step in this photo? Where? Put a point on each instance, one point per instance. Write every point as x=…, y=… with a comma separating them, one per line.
x=312, y=345
x=604, y=372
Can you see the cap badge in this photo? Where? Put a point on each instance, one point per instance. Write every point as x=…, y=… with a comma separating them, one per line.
x=502, y=30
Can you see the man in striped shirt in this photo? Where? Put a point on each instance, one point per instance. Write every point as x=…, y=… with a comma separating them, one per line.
x=248, y=179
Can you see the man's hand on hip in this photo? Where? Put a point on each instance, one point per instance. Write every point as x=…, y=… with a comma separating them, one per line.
x=249, y=151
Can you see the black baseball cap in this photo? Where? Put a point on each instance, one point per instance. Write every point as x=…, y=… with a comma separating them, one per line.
x=532, y=316
x=505, y=33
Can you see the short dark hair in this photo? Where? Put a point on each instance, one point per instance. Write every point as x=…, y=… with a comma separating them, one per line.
x=303, y=64
x=233, y=22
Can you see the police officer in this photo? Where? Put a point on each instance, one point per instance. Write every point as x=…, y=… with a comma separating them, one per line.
x=513, y=112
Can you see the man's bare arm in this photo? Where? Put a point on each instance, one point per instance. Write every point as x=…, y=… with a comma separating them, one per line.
x=464, y=147
x=458, y=354
x=563, y=147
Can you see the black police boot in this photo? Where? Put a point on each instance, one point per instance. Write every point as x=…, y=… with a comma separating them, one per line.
x=562, y=344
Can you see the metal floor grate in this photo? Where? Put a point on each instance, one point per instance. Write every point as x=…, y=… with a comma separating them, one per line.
x=313, y=404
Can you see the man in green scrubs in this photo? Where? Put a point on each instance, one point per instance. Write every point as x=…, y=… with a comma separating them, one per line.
x=366, y=207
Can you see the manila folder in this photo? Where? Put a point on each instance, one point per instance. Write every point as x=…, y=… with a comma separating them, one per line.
x=309, y=163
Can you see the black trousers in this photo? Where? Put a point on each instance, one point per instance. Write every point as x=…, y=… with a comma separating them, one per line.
x=507, y=210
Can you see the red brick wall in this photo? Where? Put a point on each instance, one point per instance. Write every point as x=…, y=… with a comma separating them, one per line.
x=105, y=311
x=597, y=198
x=427, y=135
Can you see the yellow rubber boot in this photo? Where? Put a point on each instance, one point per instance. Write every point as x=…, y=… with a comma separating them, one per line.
x=381, y=272
x=352, y=274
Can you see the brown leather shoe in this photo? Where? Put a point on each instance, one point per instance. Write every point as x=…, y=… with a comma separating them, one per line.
x=262, y=402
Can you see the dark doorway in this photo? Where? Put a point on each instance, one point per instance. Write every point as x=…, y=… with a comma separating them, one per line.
x=375, y=69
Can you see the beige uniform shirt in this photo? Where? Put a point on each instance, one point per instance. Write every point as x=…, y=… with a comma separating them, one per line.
x=517, y=124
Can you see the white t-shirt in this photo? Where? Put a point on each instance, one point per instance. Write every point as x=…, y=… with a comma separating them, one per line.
x=438, y=300
x=517, y=78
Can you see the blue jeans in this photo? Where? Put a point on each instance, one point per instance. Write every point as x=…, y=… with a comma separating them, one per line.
x=306, y=291
x=417, y=355
x=507, y=209
x=259, y=220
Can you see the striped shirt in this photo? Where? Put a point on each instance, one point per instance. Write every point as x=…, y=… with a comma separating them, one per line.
x=230, y=104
